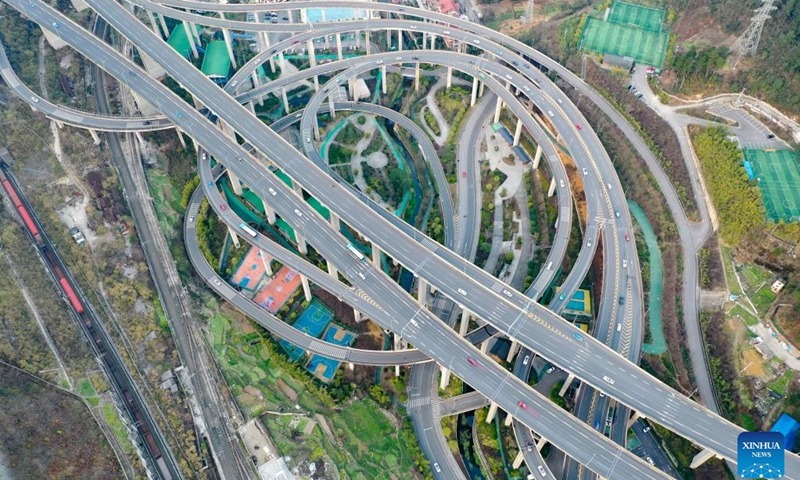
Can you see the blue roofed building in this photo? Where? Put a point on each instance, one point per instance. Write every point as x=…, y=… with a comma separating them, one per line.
x=788, y=426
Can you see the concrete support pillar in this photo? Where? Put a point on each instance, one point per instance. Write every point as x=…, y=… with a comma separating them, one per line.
x=285, y=100
x=473, y=96
x=566, y=385
x=191, y=38
x=312, y=59
x=518, y=132
x=357, y=316
x=195, y=32
x=358, y=40
x=701, y=458
x=462, y=329
x=302, y=246
x=518, y=460
x=552, y=187
x=351, y=365
x=154, y=24
x=333, y=271
x=433, y=42
x=636, y=416
x=251, y=105
x=164, y=26
x=376, y=256
x=180, y=137
x=444, y=381
x=267, y=262
x=492, y=412
x=498, y=107
x=449, y=77
x=331, y=107
x=233, y=235
x=266, y=47
x=316, y=128
x=141, y=139
x=226, y=34
x=399, y=40
x=485, y=346
x=384, y=82
x=398, y=345
x=481, y=90
x=237, y=186
x=351, y=88
x=335, y=221
x=270, y=212
x=95, y=136
x=541, y=443
x=508, y=420
x=339, y=44
x=282, y=61
x=513, y=350
x=416, y=77
x=306, y=287
x=367, y=43
x=537, y=157
x=422, y=291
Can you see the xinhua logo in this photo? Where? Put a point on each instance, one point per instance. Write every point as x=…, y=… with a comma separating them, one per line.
x=760, y=455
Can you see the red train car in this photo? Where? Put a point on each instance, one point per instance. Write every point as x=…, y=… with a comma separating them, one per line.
x=11, y=192
x=73, y=299
x=29, y=223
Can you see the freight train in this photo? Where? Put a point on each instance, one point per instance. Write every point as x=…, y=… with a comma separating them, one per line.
x=57, y=268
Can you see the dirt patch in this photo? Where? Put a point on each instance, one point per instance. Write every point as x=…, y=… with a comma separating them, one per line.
x=47, y=433
x=701, y=28
x=287, y=390
x=757, y=366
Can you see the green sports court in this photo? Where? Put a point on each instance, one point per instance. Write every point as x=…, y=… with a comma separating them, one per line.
x=647, y=18
x=778, y=177
x=629, y=31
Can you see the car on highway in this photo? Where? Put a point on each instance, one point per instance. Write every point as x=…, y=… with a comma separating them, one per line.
x=398, y=58
x=482, y=76
x=446, y=32
x=650, y=460
x=602, y=394
x=550, y=112
x=35, y=100
x=541, y=470
x=577, y=336
x=210, y=183
x=509, y=77
x=298, y=212
x=308, y=139
x=191, y=218
x=477, y=42
x=437, y=468
x=578, y=126
x=589, y=243
x=233, y=83
x=563, y=296
x=619, y=327
x=217, y=282
x=624, y=264
x=561, y=183
x=597, y=425
x=499, y=53
x=585, y=172
x=223, y=207
x=473, y=362
x=414, y=322
x=462, y=291
x=414, y=27
x=325, y=90
x=526, y=359
x=627, y=238
x=622, y=300
x=272, y=191
x=645, y=429
x=522, y=405
x=179, y=114
x=464, y=174
x=608, y=379
x=526, y=88
x=298, y=115
x=414, y=58
x=56, y=25
x=616, y=214
x=551, y=370
x=379, y=62
x=204, y=156
x=526, y=65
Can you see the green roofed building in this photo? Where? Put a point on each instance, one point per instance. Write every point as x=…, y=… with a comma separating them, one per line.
x=179, y=41
x=216, y=62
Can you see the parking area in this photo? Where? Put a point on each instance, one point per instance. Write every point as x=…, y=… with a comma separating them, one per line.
x=751, y=133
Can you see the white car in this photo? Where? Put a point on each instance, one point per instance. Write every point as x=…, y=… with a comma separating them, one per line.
x=526, y=359
x=561, y=183
x=217, y=282
x=398, y=58
x=619, y=327
x=550, y=112
x=414, y=322
x=509, y=77
x=477, y=42
x=507, y=293
x=35, y=100
x=379, y=62
x=526, y=88
x=624, y=264
x=446, y=32
x=298, y=212
x=551, y=370
x=585, y=172
x=436, y=467
x=541, y=471
x=272, y=191
x=645, y=429
x=608, y=380
x=462, y=291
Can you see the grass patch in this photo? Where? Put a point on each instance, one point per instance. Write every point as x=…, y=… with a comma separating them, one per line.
x=730, y=272
x=762, y=299
x=118, y=428
x=85, y=388
x=779, y=384
x=748, y=318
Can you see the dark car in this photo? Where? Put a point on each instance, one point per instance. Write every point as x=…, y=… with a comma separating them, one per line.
x=622, y=300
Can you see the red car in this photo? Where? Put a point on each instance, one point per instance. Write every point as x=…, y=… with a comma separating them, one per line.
x=223, y=207
x=627, y=238
x=472, y=362
x=523, y=405
x=578, y=126
x=463, y=174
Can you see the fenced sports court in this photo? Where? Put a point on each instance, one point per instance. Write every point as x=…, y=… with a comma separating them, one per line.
x=648, y=18
x=325, y=368
x=628, y=31
x=778, y=177
x=278, y=290
x=311, y=322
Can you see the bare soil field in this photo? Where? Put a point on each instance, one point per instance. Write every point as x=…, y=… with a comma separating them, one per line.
x=46, y=433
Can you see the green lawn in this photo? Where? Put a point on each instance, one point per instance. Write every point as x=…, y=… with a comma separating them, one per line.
x=780, y=383
x=85, y=388
x=762, y=299
x=749, y=318
x=730, y=275
x=754, y=275
x=118, y=428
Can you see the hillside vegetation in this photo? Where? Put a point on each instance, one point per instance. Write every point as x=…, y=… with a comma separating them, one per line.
x=737, y=201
